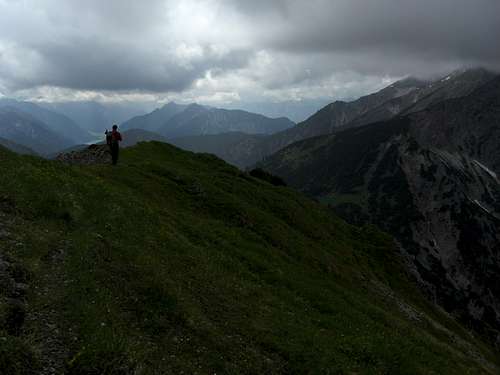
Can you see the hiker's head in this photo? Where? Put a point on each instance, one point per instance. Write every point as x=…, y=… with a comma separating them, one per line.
x=115, y=127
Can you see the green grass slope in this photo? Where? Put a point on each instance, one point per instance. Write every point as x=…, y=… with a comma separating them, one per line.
x=174, y=262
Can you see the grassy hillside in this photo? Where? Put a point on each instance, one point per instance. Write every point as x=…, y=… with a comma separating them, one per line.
x=174, y=262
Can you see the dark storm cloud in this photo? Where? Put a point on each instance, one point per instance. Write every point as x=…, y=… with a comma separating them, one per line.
x=116, y=66
x=167, y=45
x=103, y=45
x=423, y=31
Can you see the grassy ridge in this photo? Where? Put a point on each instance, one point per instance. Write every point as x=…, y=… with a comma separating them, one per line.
x=177, y=262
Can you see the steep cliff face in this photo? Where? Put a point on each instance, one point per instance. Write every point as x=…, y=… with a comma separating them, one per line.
x=430, y=179
x=444, y=209
x=456, y=85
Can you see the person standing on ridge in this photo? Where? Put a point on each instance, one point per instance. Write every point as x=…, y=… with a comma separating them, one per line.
x=114, y=144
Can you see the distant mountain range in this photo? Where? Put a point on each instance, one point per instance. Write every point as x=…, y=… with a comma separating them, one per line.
x=174, y=121
x=153, y=121
x=295, y=110
x=51, y=128
x=402, y=97
x=429, y=178
x=25, y=130
x=56, y=122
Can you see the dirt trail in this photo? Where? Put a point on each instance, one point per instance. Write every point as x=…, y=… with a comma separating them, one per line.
x=43, y=321
x=31, y=302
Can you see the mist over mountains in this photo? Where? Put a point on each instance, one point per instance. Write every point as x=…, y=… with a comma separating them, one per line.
x=75, y=123
x=94, y=116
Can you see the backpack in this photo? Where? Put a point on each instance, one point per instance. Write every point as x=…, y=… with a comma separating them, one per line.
x=108, y=137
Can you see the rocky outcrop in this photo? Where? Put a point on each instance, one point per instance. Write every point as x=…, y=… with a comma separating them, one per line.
x=444, y=208
x=93, y=154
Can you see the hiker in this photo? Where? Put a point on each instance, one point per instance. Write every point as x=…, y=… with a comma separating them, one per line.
x=113, y=139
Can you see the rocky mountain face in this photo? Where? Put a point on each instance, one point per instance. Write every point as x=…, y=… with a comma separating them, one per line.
x=456, y=85
x=431, y=180
x=54, y=121
x=340, y=114
x=25, y=130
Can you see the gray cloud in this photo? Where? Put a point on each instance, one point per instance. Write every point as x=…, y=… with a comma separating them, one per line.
x=89, y=64
x=238, y=45
x=96, y=45
x=424, y=31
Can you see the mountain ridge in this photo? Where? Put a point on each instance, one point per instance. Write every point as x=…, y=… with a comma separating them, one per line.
x=401, y=97
x=207, y=269
x=53, y=120
x=175, y=121
x=24, y=129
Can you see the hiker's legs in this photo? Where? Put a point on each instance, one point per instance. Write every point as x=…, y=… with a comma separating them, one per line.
x=115, y=150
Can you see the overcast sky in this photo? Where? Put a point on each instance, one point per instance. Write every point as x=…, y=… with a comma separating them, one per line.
x=216, y=51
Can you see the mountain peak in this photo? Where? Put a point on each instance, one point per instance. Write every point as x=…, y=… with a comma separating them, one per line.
x=195, y=106
x=410, y=81
x=171, y=104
